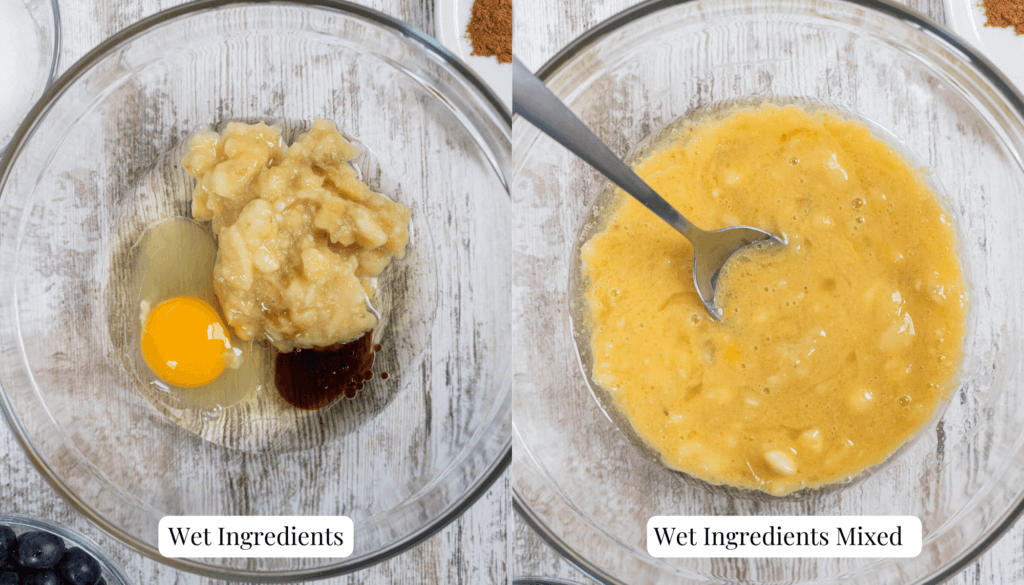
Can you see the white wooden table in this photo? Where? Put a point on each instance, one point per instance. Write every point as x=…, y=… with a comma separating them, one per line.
x=550, y=26
x=472, y=549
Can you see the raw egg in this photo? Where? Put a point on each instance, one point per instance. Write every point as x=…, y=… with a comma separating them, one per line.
x=185, y=343
x=185, y=355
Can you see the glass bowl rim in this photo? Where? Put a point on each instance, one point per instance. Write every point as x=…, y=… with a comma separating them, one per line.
x=980, y=64
x=56, y=89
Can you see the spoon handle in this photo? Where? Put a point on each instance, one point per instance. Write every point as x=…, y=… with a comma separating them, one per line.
x=535, y=102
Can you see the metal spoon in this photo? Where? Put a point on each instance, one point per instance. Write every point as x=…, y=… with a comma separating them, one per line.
x=534, y=102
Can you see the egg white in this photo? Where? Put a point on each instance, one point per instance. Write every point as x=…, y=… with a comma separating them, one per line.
x=175, y=258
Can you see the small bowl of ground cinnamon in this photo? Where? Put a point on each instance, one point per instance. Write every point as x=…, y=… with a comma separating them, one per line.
x=996, y=28
x=480, y=33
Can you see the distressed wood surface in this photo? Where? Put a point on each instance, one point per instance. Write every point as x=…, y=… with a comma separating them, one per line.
x=551, y=26
x=472, y=549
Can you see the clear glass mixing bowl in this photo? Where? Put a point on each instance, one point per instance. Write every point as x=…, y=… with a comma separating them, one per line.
x=97, y=162
x=576, y=478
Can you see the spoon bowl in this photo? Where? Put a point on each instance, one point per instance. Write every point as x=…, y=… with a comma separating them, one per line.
x=711, y=250
x=532, y=100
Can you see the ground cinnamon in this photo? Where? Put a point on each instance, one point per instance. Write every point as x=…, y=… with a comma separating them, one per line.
x=1005, y=13
x=490, y=29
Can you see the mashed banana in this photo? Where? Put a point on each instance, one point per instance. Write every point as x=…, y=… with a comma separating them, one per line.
x=833, y=351
x=300, y=237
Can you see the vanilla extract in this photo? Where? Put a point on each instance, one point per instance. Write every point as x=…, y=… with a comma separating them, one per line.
x=310, y=379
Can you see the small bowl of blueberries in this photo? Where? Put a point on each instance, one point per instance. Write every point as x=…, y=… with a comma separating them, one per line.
x=37, y=552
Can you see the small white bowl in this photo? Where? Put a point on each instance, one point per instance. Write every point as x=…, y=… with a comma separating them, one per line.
x=29, y=56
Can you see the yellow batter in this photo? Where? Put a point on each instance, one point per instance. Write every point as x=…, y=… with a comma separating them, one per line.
x=833, y=351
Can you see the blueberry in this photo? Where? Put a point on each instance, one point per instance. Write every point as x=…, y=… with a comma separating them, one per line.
x=78, y=568
x=8, y=544
x=8, y=578
x=7, y=540
x=39, y=550
x=46, y=577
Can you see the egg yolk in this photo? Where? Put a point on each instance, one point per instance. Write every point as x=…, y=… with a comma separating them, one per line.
x=184, y=342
